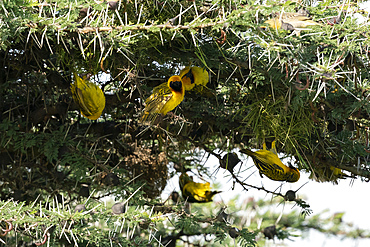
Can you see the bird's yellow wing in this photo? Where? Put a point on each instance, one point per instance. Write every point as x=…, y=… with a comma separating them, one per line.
x=165, y=98
x=301, y=22
x=198, y=192
x=269, y=169
x=291, y=21
x=89, y=97
x=162, y=89
x=274, y=23
x=153, y=106
x=337, y=171
x=269, y=164
x=195, y=192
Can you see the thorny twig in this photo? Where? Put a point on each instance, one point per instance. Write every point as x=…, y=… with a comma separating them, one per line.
x=9, y=227
x=222, y=39
x=299, y=87
x=235, y=177
x=43, y=241
x=131, y=27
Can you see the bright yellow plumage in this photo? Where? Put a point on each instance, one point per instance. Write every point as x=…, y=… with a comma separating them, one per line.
x=269, y=164
x=88, y=96
x=165, y=98
x=290, y=21
x=195, y=192
x=192, y=76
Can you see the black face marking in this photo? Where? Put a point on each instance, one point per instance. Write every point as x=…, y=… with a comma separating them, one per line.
x=176, y=86
x=190, y=76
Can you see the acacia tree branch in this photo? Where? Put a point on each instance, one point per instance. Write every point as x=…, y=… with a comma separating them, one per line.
x=130, y=27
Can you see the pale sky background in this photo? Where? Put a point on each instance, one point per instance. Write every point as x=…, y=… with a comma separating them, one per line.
x=351, y=198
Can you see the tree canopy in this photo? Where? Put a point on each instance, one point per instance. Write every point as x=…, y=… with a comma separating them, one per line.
x=306, y=87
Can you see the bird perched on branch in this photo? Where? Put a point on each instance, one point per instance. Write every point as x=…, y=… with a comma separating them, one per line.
x=192, y=76
x=291, y=21
x=88, y=96
x=195, y=192
x=269, y=164
x=165, y=98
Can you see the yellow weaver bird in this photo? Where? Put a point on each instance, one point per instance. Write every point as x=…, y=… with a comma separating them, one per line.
x=291, y=21
x=88, y=96
x=337, y=171
x=195, y=192
x=324, y=173
x=165, y=98
x=269, y=164
x=192, y=76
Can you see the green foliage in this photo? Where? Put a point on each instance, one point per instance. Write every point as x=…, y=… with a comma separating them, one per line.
x=307, y=89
